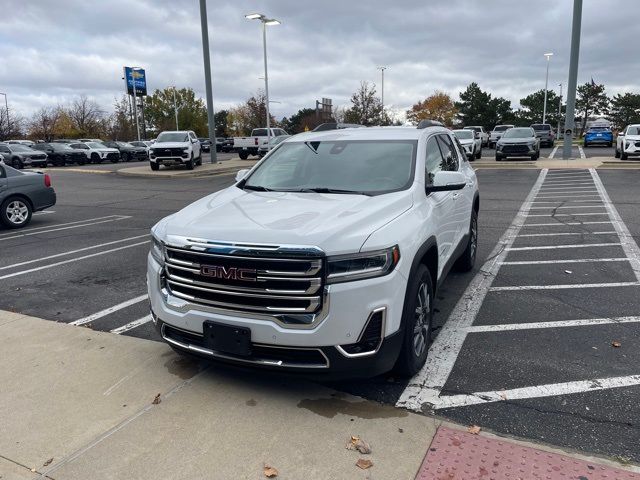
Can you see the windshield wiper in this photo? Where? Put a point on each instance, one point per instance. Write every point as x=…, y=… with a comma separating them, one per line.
x=333, y=190
x=257, y=188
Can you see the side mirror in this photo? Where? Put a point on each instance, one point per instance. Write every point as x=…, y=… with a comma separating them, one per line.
x=621, y=134
x=477, y=134
x=241, y=174
x=447, y=181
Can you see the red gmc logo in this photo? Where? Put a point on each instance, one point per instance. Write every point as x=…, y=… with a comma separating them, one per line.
x=229, y=273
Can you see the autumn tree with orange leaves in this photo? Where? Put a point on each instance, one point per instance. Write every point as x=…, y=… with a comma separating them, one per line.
x=439, y=106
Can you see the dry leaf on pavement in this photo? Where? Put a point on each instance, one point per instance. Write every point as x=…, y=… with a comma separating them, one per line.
x=356, y=443
x=616, y=344
x=475, y=429
x=156, y=400
x=270, y=472
x=48, y=462
x=364, y=464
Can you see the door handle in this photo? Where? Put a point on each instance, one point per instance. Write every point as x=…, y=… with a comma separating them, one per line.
x=456, y=195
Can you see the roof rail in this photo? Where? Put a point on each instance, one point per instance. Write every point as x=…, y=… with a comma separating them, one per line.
x=429, y=123
x=335, y=126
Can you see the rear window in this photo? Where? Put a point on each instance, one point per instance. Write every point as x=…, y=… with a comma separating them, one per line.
x=541, y=126
x=475, y=129
x=259, y=132
x=501, y=128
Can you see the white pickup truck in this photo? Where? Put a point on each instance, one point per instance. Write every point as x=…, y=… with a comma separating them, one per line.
x=246, y=146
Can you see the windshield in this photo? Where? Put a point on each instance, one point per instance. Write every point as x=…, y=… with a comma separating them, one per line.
x=172, y=137
x=633, y=131
x=365, y=167
x=16, y=147
x=464, y=134
x=95, y=145
x=124, y=144
x=599, y=129
x=519, y=133
x=475, y=129
x=501, y=128
x=59, y=146
x=541, y=126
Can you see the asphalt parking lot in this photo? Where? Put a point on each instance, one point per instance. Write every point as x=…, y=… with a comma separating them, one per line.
x=539, y=341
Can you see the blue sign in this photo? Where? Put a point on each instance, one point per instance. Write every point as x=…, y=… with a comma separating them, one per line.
x=138, y=76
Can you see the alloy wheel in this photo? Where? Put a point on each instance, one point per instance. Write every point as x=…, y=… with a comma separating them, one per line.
x=422, y=321
x=17, y=212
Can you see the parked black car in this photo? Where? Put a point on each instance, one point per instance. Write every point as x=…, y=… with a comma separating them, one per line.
x=61, y=154
x=128, y=152
x=21, y=194
x=227, y=145
x=205, y=144
x=20, y=156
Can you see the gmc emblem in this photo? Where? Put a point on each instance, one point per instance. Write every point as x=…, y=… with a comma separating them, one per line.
x=229, y=273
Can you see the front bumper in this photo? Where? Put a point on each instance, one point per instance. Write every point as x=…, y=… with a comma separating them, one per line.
x=169, y=160
x=633, y=149
x=347, y=309
x=515, y=151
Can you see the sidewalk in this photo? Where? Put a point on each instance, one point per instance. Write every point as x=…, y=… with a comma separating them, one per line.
x=205, y=170
x=78, y=404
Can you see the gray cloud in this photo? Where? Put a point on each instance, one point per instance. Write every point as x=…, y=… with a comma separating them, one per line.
x=52, y=54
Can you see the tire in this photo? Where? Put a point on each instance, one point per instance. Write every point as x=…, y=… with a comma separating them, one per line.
x=15, y=212
x=243, y=155
x=17, y=163
x=154, y=166
x=115, y=160
x=189, y=163
x=585, y=145
x=610, y=144
x=617, y=152
x=60, y=162
x=479, y=154
x=535, y=156
x=467, y=260
x=81, y=162
x=417, y=318
x=95, y=158
x=498, y=158
x=127, y=157
x=623, y=156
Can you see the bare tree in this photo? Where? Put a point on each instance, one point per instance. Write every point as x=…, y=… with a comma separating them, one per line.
x=43, y=123
x=11, y=125
x=86, y=116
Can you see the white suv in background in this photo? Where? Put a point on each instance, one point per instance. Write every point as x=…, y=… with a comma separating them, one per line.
x=175, y=148
x=496, y=134
x=471, y=142
x=628, y=142
x=325, y=258
x=484, y=136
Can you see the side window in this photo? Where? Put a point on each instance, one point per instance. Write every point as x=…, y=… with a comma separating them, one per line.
x=433, y=161
x=461, y=153
x=192, y=135
x=449, y=154
x=2, y=172
x=4, y=149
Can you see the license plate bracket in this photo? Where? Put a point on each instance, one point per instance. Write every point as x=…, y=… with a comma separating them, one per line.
x=227, y=338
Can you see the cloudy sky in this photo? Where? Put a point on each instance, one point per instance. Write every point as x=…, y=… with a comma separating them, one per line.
x=50, y=54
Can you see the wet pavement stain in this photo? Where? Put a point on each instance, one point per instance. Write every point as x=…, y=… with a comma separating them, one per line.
x=184, y=368
x=251, y=403
x=330, y=407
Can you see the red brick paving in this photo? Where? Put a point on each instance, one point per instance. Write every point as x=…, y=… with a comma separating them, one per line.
x=459, y=455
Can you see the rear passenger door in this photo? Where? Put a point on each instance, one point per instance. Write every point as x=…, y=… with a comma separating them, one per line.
x=463, y=199
x=440, y=206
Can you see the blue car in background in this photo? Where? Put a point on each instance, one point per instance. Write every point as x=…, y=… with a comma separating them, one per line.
x=598, y=136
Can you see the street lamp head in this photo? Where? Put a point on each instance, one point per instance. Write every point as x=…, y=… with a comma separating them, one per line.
x=254, y=16
x=271, y=21
x=548, y=55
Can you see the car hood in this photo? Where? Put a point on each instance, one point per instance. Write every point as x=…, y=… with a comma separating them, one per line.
x=106, y=150
x=516, y=141
x=171, y=145
x=335, y=223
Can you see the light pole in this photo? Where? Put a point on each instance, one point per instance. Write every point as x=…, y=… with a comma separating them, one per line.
x=6, y=106
x=265, y=21
x=211, y=121
x=546, y=84
x=573, y=80
x=559, y=110
x=175, y=107
x=382, y=69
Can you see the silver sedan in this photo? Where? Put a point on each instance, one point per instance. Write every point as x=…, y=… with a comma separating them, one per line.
x=21, y=194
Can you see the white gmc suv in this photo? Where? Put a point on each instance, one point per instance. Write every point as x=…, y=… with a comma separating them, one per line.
x=324, y=257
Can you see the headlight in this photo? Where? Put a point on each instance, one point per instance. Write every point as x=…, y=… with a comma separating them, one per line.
x=157, y=249
x=358, y=266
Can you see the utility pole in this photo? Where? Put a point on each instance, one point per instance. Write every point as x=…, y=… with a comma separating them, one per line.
x=6, y=106
x=559, y=110
x=546, y=88
x=175, y=107
x=569, y=123
x=382, y=69
x=207, y=79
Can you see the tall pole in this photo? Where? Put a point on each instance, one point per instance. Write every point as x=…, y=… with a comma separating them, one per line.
x=569, y=123
x=135, y=101
x=382, y=69
x=546, y=88
x=6, y=106
x=266, y=78
x=175, y=107
x=559, y=110
x=207, y=79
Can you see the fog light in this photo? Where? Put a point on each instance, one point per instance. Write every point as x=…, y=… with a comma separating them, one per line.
x=371, y=337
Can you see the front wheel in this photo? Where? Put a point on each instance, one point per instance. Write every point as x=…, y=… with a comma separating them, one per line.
x=417, y=319
x=467, y=260
x=154, y=166
x=17, y=164
x=479, y=154
x=15, y=212
x=623, y=156
x=243, y=155
x=617, y=154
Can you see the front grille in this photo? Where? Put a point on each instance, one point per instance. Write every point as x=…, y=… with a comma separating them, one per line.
x=168, y=152
x=637, y=144
x=239, y=282
x=38, y=157
x=268, y=355
x=515, y=149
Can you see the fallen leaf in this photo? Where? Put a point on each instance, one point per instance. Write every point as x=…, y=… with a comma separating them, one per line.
x=475, y=429
x=48, y=462
x=503, y=395
x=356, y=443
x=616, y=344
x=33, y=469
x=270, y=471
x=364, y=464
x=156, y=400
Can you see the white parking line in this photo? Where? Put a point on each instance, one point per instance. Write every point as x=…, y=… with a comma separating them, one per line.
x=61, y=224
x=71, y=252
x=559, y=224
x=569, y=190
x=551, y=324
x=567, y=184
x=110, y=310
x=573, y=195
x=131, y=325
x=44, y=212
x=538, y=391
x=121, y=217
x=560, y=234
x=586, y=186
x=565, y=215
x=572, y=260
x=567, y=206
x=426, y=385
x=24, y=272
x=553, y=152
x=582, y=155
x=514, y=288
x=553, y=247
x=629, y=245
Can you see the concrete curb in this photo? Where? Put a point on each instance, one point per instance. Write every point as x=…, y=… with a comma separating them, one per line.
x=207, y=170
